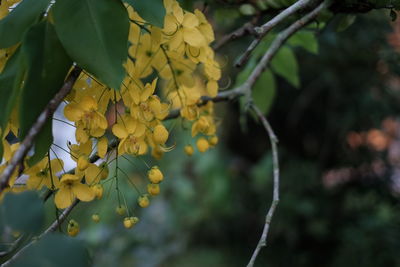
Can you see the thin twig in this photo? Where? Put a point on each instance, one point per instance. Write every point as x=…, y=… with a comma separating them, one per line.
x=279, y=41
x=245, y=29
x=264, y=29
x=28, y=141
x=275, y=198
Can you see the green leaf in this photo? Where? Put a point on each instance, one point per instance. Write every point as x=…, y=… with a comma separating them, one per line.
x=15, y=24
x=23, y=212
x=306, y=40
x=47, y=65
x=264, y=91
x=345, y=22
x=285, y=64
x=10, y=87
x=152, y=11
x=95, y=35
x=43, y=142
x=54, y=250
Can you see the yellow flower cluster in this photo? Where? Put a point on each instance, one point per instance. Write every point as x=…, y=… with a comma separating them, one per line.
x=167, y=68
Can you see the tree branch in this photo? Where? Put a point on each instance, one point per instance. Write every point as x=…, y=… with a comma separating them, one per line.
x=279, y=41
x=28, y=142
x=275, y=198
x=245, y=29
x=263, y=30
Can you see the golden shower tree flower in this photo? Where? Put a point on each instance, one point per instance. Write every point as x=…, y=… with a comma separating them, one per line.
x=88, y=120
x=70, y=189
x=43, y=174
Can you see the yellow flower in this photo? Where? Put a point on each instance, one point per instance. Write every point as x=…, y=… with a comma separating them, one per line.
x=181, y=27
x=160, y=134
x=180, y=70
x=71, y=188
x=88, y=120
x=147, y=52
x=146, y=106
x=40, y=174
x=83, y=149
x=132, y=136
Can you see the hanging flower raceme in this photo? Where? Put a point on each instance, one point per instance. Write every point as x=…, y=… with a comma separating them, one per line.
x=168, y=70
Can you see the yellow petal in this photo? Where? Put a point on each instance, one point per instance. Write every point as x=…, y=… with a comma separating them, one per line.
x=130, y=125
x=102, y=147
x=140, y=130
x=83, y=192
x=88, y=103
x=190, y=21
x=102, y=121
x=56, y=165
x=178, y=12
x=81, y=135
x=67, y=178
x=193, y=37
x=119, y=131
x=212, y=88
x=63, y=198
x=35, y=182
x=86, y=148
x=170, y=24
x=73, y=112
x=176, y=40
x=92, y=174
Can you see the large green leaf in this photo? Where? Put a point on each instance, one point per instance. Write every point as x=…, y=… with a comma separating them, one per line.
x=306, y=40
x=285, y=64
x=23, y=212
x=95, y=35
x=47, y=65
x=264, y=91
x=54, y=250
x=13, y=27
x=152, y=11
x=10, y=87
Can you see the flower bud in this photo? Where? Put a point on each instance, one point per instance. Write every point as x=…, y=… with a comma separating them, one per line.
x=73, y=228
x=155, y=175
x=143, y=201
x=160, y=134
x=189, y=150
x=202, y=144
x=153, y=189
x=96, y=217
